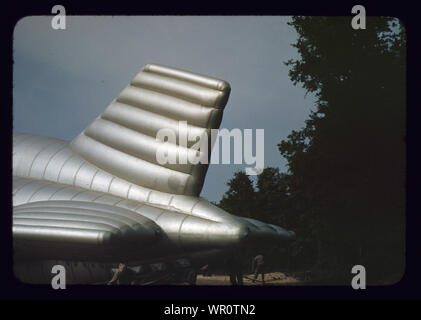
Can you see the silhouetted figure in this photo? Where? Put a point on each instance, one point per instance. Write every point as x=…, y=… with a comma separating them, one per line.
x=122, y=276
x=258, y=267
x=206, y=270
x=233, y=265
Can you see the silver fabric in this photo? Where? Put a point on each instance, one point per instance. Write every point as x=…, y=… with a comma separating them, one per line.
x=104, y=197
x=122, y=140
x=80, y=228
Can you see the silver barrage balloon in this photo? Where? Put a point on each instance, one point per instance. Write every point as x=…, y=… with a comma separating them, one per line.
x=104, y=197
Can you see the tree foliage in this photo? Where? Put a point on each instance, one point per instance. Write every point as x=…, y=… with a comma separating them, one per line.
x=240, y=197
x=344, y=191
x=347, y=165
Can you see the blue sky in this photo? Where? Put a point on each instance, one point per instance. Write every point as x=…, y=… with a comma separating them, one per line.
x=63, y=79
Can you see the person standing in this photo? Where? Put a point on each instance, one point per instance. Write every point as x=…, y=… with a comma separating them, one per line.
x=258, y=267
x=234, y=266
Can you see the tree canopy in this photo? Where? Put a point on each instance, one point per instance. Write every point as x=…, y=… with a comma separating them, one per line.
x=344, y=190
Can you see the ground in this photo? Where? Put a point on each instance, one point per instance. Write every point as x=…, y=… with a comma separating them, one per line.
x=273, y=278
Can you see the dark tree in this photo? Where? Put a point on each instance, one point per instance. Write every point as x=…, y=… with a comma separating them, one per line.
x=270, y=196
x=240, y=197
x=346, y=177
